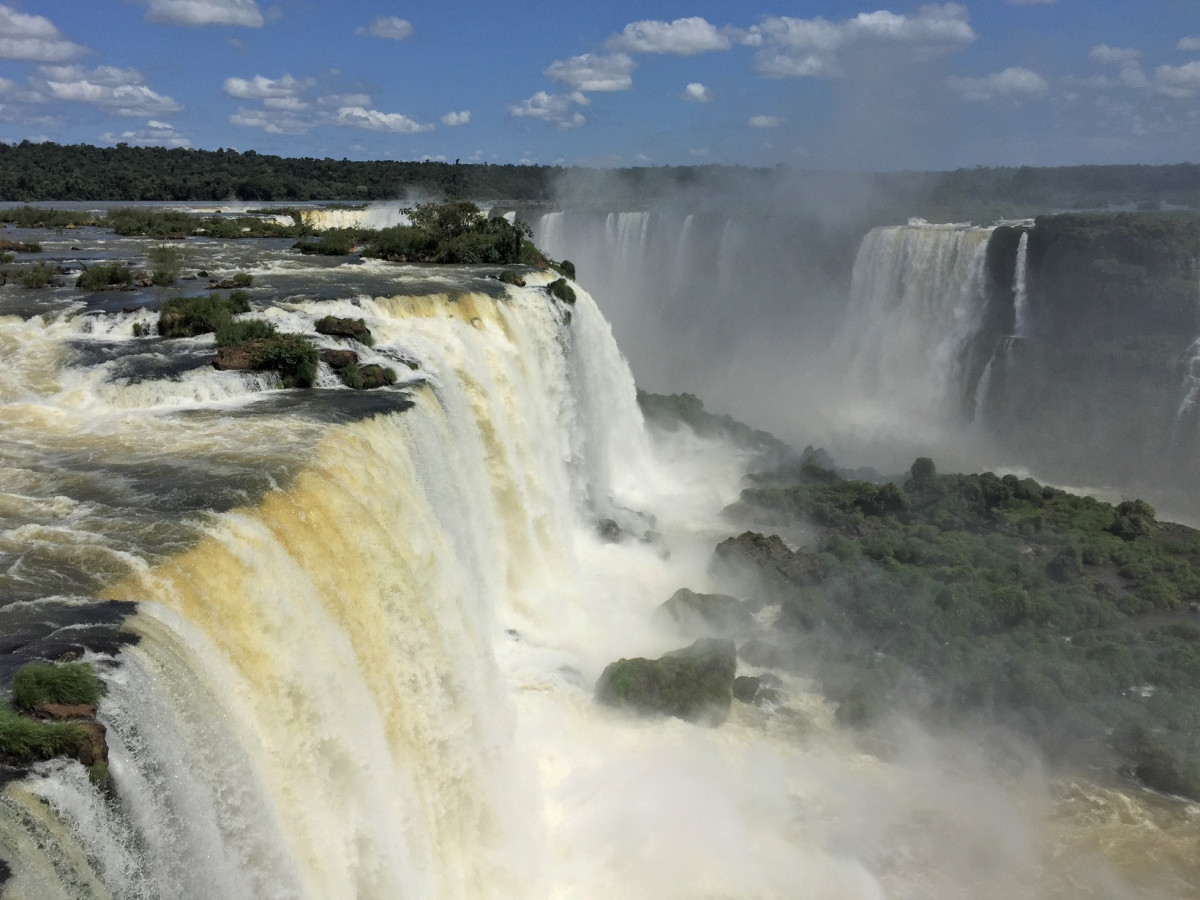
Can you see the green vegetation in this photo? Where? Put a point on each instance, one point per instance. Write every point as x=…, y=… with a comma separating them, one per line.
x=190, y=316
x=508, y=276
x=363, y=378
x=293, y=357
x=453, y=233
x=104, y=276
x=24, y=740
x=170, y=224
x=333, y=242
x=33, y=217
x=561, y=290
x=20, y=246
x=1065, y=616
x=695, y=683
x=69, y=684
x=166, y=262
x=41, y=275
x=239, y=331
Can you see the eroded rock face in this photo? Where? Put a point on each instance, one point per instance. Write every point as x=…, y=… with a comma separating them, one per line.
x=238, y=357
x=338, y=359
x=694, y=613
x=355, y=329
x=694, y=683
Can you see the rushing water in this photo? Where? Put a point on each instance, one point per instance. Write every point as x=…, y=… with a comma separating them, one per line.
x=369, y=626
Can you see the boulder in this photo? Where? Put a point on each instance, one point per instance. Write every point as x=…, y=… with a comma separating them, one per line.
x=67, y=710
x=374, y=376
x=338, y=359
x=609, y=530
x=694, y=684
x=693, y=613
x=355, y=329
x=239, y=357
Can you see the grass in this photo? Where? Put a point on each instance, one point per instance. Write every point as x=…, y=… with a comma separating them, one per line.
x=190, y=316
x=39, y=276
x=238, y=331
x=104, y=277
x=69, y=684
x=28, y=740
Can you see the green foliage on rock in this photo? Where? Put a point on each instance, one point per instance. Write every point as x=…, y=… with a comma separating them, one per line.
x=39, y=276
x=694, y=684
x=355, y=329
x=452, y=233
x=68, y=684
x=36, y=217
x=561, y=290
x=239, y=331
x=25, y=740
x=104, y=277
x=190, y=316
x=364, y=378
x=290, y=355
x=166, y=262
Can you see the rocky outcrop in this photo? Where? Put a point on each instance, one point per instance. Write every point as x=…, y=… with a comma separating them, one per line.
x=355, y=329
x=339, y=359
x=759, y=690
x=693, y=613
x=239, y=357
x=694, y=684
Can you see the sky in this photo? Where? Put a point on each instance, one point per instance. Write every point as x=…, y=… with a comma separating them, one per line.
x=862, y=84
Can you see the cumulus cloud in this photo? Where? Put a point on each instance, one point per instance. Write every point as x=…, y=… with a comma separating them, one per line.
x=33, y=38
x=593, y=72
x=457, y=118
x=260, y=87
x=682, y=37
x=205, y=12
x=122, y=91
x=1188, y=44
x=794, y=48
x=764, y=121
x=374, y=120
x=1119, y=56
x=557, y=109
x=1013, y=84
x=155, y=134
x=273, y=121
x=697, y=93
x=1178, y=81
x=390, y=27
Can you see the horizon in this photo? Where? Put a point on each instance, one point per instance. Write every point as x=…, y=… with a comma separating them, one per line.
x=836, y=86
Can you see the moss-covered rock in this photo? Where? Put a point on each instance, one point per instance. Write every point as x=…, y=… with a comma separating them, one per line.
x=694, y=684
x=355, y=329
x=694, y=613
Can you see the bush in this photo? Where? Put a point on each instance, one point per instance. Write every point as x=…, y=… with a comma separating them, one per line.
x=28, y=740
x=508, y=276
x=39, y=276
x=293, y=357
x=190, y=316
x=104, y=276
x=566, y=267
x=238, y=331
x=242, y=280
x=561, y=290
x=165, y=263
x=69, y=684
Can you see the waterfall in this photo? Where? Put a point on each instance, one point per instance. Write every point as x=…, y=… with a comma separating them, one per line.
x=918, y=297
x=1021, y=289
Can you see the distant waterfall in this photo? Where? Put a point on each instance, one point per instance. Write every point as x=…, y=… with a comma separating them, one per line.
x=1021, y=288
x=918, y=297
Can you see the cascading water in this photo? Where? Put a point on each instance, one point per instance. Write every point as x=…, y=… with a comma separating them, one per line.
x=1021, y=288
x=370, y=626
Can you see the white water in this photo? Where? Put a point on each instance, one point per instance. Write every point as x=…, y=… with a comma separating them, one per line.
x=1021, y=288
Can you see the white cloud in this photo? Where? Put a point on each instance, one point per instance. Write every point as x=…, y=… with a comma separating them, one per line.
x=272, y=121
x=553, y=108
x=812, y=47
x=123, y=91
x=6, y=85
x=683, y=37
x=764, y=121
x=1178, y=81
x=262, y=88
x=156, y=134
x=1188, y=44
x=374, y=120
x=33, y=38
x=591, y=72
x=1118, y=56
x=1013, y=84
x=205, y=12
x=697, y=93
x=390, y=27
x=457, y=118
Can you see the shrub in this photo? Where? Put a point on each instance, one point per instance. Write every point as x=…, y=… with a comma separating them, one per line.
x=39, y=276
x=566, y=267
x=141, y=329
x=238, y=331
x=242, y=280
x=165, y=263
x=70, y=684
x=508, y=276
x=28, y=740
x=104, y=276
x=561, y=290
x=239, y=301
x=190, y=316
x=293, y=357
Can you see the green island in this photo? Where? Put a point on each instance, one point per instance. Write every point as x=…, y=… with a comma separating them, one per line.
x=971, y=600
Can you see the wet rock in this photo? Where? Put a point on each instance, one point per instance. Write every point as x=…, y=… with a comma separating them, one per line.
x=338, y=359
x=609, y=530
x=374, y=376
x=745, y=687
x=356, y=329
x=67, y=711
x=693, y=613
x=236, y=358
x=93, y=748
x=694, y=684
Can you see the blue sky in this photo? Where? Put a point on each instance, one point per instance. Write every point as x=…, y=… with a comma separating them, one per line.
x=882, y=85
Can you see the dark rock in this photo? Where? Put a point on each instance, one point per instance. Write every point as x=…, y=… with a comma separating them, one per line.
x=338, y=359
x=609, y=530
x=93, y=748
x=238, y=357
x=374, y=376
x=692, y=612
x=694, y=684
x=745, y=687
x=770, y=556
x=203, y=273
x=355, y=329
